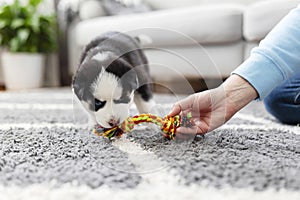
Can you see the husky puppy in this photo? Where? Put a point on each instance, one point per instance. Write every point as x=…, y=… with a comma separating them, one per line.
x=113, y=71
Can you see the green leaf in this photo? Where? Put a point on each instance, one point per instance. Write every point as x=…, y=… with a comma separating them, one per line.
x=14, y=45
x=35, y=23
x=23, y=35
x=16, y=3
x=2, y=23
x=33, y=49
x=15, y=8
x=5, y=12
x=34, y=2
x=16, y=23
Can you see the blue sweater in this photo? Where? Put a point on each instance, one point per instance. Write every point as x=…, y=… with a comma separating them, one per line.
x=276, y=58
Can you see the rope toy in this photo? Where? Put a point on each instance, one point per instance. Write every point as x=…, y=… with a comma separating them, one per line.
x=168, y=125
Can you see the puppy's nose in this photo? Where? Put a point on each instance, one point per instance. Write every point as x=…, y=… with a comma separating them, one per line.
x=113, y=122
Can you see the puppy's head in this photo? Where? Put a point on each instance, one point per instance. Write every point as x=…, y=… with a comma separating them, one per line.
x=106, y=92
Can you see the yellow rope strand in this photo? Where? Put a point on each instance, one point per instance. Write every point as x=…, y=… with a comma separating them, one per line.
x=168, y=125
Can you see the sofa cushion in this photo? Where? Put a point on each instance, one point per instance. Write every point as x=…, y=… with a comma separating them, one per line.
x=115, y=7
x=209, y=61
x=260, y=18
x=90, y=9
x=205, y=24
x=167, y=4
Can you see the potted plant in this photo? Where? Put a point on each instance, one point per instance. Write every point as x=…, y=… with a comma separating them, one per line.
x=26, y=36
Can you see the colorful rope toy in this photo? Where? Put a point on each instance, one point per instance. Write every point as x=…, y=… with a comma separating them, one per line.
x=168, y=125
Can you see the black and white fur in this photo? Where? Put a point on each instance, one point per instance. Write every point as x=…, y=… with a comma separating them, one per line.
x=112, y=72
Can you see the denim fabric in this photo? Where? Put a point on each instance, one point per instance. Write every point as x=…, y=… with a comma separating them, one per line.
x=284, y=101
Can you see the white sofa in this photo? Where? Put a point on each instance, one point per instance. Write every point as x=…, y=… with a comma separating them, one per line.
x=191, y=39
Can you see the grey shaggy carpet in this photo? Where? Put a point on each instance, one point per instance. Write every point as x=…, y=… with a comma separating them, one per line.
x=47, y=152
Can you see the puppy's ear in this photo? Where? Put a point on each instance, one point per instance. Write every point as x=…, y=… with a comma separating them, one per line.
x=82, y=82
x=78, y=85
x=130, y=80
x=78, y=90
x=127, y=74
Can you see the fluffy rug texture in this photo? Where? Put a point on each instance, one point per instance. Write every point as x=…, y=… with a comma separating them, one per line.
x=47, y=152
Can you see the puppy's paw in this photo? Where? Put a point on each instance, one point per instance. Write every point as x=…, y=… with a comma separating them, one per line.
x=91, y=124
x=142, y=105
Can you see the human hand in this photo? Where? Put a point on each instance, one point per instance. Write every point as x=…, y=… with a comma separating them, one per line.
x=212, y=108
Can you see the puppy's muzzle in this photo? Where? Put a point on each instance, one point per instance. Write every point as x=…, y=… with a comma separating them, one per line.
x=113, y=122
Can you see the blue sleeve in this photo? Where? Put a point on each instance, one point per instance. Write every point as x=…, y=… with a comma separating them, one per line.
x=276, y=58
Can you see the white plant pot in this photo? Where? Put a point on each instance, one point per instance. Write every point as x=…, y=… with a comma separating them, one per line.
x=23, y=70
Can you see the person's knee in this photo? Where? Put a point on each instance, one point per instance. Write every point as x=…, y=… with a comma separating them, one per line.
x=272, y=105
x=297, y=99
x=285, y=110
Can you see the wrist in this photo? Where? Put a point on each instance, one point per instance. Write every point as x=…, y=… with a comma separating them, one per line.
x=238, y=93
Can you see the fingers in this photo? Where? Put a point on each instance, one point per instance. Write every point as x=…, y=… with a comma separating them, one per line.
x=188, y=130
x=195, y=130
x=182, y=105
x=175, y=110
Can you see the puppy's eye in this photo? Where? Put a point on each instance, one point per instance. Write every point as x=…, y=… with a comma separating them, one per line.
x=99, y=104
